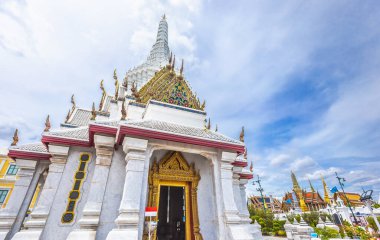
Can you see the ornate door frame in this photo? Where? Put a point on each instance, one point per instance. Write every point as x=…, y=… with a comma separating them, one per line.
x=173, y=170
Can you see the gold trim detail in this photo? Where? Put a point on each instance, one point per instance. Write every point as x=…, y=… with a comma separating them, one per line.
x=74, y=195
x=173, y=170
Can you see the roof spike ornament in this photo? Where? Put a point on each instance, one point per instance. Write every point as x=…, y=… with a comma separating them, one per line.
x=245, y=153
x=104, y=94
x=242, y=134
x=93, y=112
x=116, y=85
x=173, y=65
x=125, y=82
x=73, y=102
x=203, y=106
x=15, y=138
x=216, y=127
x=68, y=116
x=251, y=167
x=47, y=124
x=181, y=69
x=209, y=124
x=123, y=111
x=170, y=58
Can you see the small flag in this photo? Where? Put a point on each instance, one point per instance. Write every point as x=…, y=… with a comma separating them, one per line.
x=288, y=201
x=334, y=190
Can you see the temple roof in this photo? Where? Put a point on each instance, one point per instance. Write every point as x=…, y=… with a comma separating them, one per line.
x=80, y=117
x=180, y=130
x=80, y=133
x=167, y=86
x=31, y=147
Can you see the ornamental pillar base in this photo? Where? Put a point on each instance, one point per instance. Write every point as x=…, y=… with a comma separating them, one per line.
x=119, y=234
x=82, y=234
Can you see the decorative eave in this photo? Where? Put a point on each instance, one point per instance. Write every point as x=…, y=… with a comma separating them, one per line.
x=23, y=152
x=56, y=140
x=134, y=131
x=247, y=175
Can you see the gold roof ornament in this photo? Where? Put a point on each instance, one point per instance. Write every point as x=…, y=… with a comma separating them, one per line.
x=116, y=85
x=104, y=94
x=125, y=82
x=173, y=65
x=47, y=124
x=68, y=116
x=73, y=101
x=242, y=135
x=209, y=124
x=170, y=58
x=123, y=111
x=181, y=69
x=135, y=93
x=93, y=112
x=203, y=106
x=15, y=138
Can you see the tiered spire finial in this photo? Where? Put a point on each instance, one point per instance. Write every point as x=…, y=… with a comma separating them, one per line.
x=15, y=138
x=47, y=124
x=296, y=186
x=160, y=50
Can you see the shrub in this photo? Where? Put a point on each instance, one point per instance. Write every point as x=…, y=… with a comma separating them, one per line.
x=327, y=233
x=281, y=233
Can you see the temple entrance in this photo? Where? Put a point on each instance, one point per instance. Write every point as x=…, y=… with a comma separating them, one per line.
x=171, y=213
x=173, y=187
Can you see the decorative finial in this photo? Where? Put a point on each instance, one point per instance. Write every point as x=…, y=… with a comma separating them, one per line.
x=116, y=85
x=73, y=101
x=209, y=124
x=181, y=70
x=242, y=135
x=251, y=167
x=164, y=17
x=123, y=111
x=93, y=112
x=15, y=138
x=203, y=105
x=125, y=82
x=47, y=124
x=216, y=127
x=170, y=58
x=245, y=153
x=103, y=95
x=173, y=65
x=68, y=116
x=135, y=93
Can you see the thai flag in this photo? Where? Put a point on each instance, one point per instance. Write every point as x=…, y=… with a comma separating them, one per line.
x=334, y=190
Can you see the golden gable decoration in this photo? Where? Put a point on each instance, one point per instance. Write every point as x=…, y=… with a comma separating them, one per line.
x=166, y=86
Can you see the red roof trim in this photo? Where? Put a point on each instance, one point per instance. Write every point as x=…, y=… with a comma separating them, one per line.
x=246, y=176
x=64, y=141
x=145, y=133
x=103, y=130
x=240, y=164
x=28, y=155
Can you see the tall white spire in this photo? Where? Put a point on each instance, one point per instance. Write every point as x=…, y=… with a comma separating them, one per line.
x=158, y=57
x=160, y=50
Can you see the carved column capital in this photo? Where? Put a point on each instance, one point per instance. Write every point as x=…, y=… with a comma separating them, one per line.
x=104, y=146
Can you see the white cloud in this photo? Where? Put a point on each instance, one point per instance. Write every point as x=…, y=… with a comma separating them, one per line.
x=325, y=173
x=280, y=160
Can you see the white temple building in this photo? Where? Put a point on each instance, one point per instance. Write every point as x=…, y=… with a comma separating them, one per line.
x=148, y=144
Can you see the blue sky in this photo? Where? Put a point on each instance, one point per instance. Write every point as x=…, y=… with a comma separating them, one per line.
x=302, y=77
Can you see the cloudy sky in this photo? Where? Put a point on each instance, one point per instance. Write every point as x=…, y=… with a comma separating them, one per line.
x=303, y=77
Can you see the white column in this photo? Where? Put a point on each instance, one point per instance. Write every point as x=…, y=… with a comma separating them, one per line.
x=19, y=193
x=231, y=212
x=244, y=213
x=237, y=229
x=129, y=212
x=40, y=213
x=91, y=213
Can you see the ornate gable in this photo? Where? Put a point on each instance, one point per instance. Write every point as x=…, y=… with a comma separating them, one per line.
x=166, y=86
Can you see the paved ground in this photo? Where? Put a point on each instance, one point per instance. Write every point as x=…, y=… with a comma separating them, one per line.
x=273, y=238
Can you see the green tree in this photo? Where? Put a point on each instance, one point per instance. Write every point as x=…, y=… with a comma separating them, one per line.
x=327, y=233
